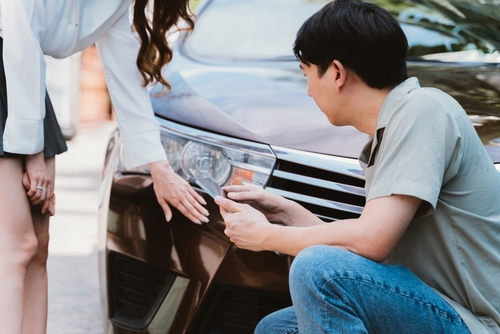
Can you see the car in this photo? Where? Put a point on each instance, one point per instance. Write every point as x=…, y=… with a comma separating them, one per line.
x=238, y=112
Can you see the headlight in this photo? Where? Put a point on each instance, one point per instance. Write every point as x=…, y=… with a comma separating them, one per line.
x=198, y=154
x=205, y=161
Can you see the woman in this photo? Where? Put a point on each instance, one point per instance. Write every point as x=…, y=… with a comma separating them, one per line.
x=30, y=135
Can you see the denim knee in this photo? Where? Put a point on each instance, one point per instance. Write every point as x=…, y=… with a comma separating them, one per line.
x=312, y=267
x=311, y=261
x=264, y=326
x=282, y=321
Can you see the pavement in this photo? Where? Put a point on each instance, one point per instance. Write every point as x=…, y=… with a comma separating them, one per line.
x=74, y=302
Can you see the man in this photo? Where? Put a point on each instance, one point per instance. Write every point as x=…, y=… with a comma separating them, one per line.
x=432, y=213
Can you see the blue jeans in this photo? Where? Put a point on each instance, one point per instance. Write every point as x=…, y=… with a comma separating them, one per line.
x=335, y=291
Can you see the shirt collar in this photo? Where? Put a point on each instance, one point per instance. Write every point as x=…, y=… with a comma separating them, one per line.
x=393, y=99
x=387, y=109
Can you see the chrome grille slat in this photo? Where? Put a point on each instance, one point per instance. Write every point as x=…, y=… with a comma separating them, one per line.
x=331, y=187
x=318, y=201
x=330, y=163
x=320, y=183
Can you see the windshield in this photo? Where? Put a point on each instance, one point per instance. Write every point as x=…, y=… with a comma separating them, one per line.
x=256, y=29
x=266, y=29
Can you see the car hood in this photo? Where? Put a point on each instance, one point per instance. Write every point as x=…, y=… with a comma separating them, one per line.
x=266, y=105
x=271, y=106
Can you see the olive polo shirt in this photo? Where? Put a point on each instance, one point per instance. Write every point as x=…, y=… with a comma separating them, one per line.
x=425, y=146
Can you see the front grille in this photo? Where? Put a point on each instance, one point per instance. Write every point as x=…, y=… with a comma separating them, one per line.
x=238, y=311
x=137, y=290
x=331, y=188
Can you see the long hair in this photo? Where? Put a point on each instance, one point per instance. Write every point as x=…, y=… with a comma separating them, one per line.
x=155, y=51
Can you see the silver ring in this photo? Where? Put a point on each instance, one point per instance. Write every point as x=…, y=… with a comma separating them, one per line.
x=39, y=187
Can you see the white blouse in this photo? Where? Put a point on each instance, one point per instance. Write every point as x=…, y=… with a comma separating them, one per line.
x=33, y=28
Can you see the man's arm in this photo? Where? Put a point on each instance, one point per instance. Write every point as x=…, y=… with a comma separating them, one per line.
x=275, y=208
x=373, y=235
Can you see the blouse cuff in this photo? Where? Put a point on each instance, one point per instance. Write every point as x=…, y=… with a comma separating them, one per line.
x=23, y=136
x=142, y=148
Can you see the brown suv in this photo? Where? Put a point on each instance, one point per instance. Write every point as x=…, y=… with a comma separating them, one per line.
x=238, y=110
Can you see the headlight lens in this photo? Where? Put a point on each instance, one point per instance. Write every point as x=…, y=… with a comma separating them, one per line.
x=197, y=154
x=205, y=161
x=173, y=149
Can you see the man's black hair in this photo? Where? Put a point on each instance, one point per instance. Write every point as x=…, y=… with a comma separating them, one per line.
x=364, y=37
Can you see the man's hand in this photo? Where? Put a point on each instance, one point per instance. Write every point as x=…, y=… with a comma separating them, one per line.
x=245, y=226
x=171, y=189
x=37, y=182
x=373, y=235
x=276, y=208
x=271, y=205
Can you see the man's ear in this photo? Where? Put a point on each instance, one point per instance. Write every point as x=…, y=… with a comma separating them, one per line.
x=340, y=74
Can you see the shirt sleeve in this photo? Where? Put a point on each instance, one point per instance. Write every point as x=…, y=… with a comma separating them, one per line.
x=25, y=76
x=139, y=130
x=420, y=150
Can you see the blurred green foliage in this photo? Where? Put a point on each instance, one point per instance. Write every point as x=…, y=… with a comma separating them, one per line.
x=393, y=6
x=194, y=4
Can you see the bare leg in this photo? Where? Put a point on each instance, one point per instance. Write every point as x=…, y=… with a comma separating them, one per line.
x=18, y=244
x=36, y=282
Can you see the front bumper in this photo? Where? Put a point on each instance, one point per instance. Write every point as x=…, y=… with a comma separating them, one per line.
x=177, y=277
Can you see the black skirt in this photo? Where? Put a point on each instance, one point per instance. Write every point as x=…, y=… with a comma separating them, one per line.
x=54, y=142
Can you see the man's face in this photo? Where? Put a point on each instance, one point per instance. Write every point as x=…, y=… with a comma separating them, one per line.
x=322, y=90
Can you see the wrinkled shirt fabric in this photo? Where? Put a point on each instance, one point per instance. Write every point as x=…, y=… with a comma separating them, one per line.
x=426, y=147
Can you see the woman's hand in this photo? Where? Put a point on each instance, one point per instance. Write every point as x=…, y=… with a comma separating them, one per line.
x=37, y=182
x=172, y=189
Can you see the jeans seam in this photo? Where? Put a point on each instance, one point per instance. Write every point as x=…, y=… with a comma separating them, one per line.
x=454, y=318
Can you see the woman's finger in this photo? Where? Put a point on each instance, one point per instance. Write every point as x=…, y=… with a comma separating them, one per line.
x=198, y=198
x=35, y=193
x=193, y=210
x=166, y=209
x=198, y=202
x=184, y=203
x=40, y=196
x=187, y=210
x=173, y=190
x=26, y=181
x=32, y=191
x=46, y=201
x=52, y=205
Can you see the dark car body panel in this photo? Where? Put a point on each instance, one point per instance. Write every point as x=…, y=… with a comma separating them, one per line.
x=206, y=260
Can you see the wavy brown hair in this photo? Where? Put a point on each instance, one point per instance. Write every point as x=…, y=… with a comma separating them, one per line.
x=155, y=51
